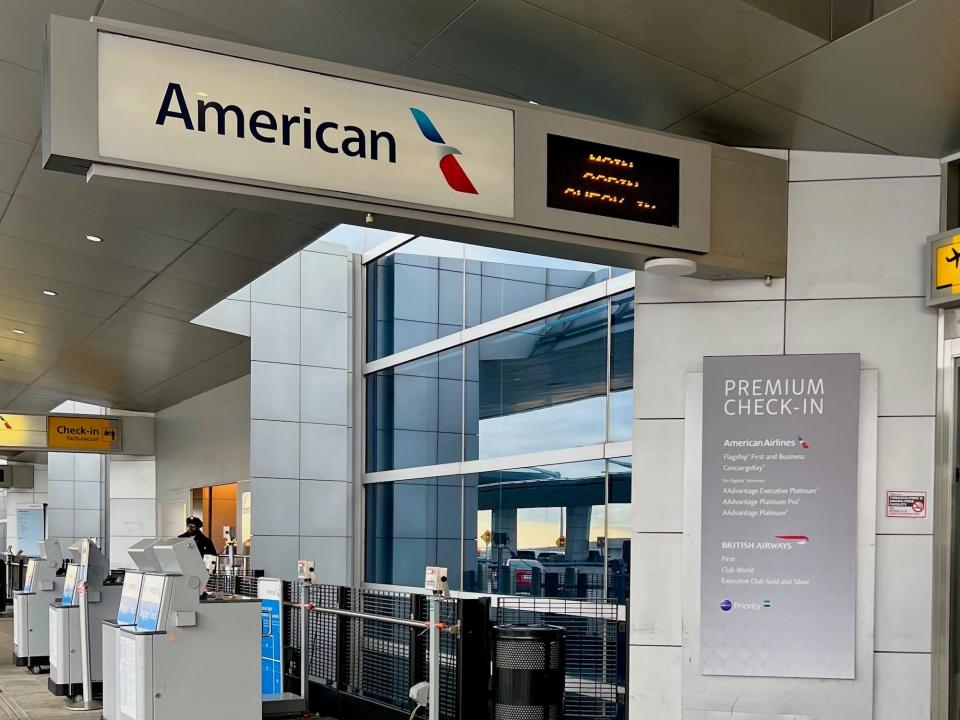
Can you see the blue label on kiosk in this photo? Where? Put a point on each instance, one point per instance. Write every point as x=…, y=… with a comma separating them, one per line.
x=70, y=586
x=271, y=643
x=129, y=599
x=148, y=612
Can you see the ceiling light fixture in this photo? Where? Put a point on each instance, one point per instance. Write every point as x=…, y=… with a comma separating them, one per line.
x=18, y=331
x=201, y=93
x=50, y=293
x=94, y=238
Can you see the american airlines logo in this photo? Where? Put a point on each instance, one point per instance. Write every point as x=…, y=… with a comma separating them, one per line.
x=453, y=173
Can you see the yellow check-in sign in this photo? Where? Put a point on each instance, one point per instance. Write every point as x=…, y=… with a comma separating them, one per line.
x=83, y=433
x=948, y=266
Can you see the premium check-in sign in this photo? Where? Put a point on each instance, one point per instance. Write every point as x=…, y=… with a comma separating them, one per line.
x=178, y=107
x=778, y=569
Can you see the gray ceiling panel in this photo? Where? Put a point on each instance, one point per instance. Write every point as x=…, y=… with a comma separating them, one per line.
x=44, y=314
x=20, y=90
x=370, y=33
x=161, y=310
x=137, y=11
x=70, y=299
x=138, y=336
x=747, y=121
x=539, y=56
x=423, y=70
x=21, y=27
x=208, y=266
x=11, y=347
x=236, y=358
x=51, y=224
x=52, y=262
x=140, y=318
x=260, y=236
x=49, y=338
x=22, y=364
x=22, y=377
x=895, y=82
x=698, y=35
x=13, y=159
x=197, y=379
x=812, y=15
x=180, y=294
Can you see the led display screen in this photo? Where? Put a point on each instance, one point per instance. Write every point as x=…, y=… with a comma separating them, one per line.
x=597, y=179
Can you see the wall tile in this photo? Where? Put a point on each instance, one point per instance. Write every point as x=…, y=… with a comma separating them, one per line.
x=324, y=396
x=808, y=165
x=59, y=524
x=88, y=495
x=905, y=461
x=861, y=238
x=332, y=556
x=657, y=476
x=227, y=315
x=896, y=336
x=656, y=589
x=88, y=523
x=904, y=589
x=274, y=449
x=654, y=683
x=276, y=555
x=133, y=518
x=89, y=467
x=671, y=340
x=274, y=506
x=133, y=478
x=325, y=452
x=324, y=339
x=274, y=391
x=279, y=285
x=60, y=466
x=325, y=508
x=275, y=333
x=324, y=282
x=901, y=686
x=657, y=289
x=60, y=494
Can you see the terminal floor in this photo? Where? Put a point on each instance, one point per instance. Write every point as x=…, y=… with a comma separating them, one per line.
x=24, y=696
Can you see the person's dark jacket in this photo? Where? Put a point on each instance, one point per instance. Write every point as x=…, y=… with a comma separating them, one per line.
x=203, y=543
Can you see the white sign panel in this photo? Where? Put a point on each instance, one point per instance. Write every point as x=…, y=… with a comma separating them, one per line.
x=193, y=110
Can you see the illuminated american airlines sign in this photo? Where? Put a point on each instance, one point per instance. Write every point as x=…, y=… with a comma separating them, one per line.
x=176, y=107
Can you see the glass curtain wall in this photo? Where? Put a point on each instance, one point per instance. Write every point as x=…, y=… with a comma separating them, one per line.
x=559, y=382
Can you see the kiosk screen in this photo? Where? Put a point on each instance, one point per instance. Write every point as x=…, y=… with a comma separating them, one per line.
x=70, y=586
x=148, y=612
x=129, y=599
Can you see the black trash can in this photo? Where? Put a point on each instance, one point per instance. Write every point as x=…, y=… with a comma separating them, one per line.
x=528, y=672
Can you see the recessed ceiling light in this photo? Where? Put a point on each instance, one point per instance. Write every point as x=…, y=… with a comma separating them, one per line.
x=18, y=331
x=94, y=238
x=50, y=293
x=201, y=93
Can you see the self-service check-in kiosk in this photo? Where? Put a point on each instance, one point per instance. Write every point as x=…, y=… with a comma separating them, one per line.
x=31, y=624
x=176, y=634
x=142, y=555
x=92, y=574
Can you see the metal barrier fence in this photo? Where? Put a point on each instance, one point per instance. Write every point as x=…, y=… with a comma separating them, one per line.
x=379, y=661
x=596, y=646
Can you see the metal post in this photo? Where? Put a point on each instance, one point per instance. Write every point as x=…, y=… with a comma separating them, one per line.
x=304, y=647
x=434, y=702
x=87, y=702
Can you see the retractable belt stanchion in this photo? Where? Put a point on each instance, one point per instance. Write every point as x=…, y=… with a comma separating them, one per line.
x=86, y=702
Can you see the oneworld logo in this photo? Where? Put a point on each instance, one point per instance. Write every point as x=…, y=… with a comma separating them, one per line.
x=453, y=173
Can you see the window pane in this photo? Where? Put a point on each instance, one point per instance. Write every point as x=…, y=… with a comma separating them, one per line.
x=620, y=479
x=414, y=295
x=539, y=387
x=412, y=524
x=621, y=367
x=415, y=413
x=536, y=530
x=500, y=282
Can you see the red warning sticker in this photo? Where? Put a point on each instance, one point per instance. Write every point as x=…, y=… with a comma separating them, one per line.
x=906, y=504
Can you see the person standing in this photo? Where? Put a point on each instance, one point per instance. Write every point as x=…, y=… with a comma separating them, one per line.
x=204, y=544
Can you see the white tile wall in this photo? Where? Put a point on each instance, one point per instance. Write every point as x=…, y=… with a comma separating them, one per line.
x=902, y=682
x=656, y=575
x=279, y=285
x=905, y=449
x=133, y=518
x=325, y=508
x=655, y=683
x=274, y=391
x=274, y=449
x=227, y=315
x=325, y=452
x=904, y=591
x=656, y=289
x=278, y=555
x=896, y=336
x=806, y=165
x=324, y=396
x=658, y=476
x=866, y=241
x=275, y=333
x=332, y=557
x=275, y=503
x=686, y=333
x=324, y=339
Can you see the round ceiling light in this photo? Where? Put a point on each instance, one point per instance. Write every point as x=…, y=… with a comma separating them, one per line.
x=670, y=267
x=49, y=293
x=18, y=331
x=94, y=238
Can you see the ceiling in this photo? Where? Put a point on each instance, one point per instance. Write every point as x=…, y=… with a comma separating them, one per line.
x=876, y=76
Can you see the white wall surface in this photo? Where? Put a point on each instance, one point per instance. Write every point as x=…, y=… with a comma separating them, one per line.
x=855, y=283
x=204, y=440
x=132, y=487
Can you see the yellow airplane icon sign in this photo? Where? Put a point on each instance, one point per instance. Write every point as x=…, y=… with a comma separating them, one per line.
x=948, y=266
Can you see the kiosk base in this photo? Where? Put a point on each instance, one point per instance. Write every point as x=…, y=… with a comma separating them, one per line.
x=31, y=662
x=72, y=689
x=283, y=705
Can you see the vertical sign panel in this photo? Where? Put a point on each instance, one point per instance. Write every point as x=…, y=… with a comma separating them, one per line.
x=271, y=643
x=779, y=516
